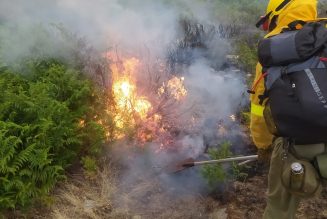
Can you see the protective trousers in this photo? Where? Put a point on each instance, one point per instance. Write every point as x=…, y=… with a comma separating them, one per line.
x=280, y=204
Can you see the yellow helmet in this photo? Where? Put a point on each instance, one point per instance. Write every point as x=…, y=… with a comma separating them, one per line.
x=273, y=4
x=274, y=8
x=280, y=13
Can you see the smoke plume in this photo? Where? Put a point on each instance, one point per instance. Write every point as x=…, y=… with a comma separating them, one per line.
x=150, y=29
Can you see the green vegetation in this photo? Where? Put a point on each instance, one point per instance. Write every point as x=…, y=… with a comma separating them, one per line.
x=247, y=52
x=221, y=173
x=48, y=118
x=90, y=166
x=52, y=116
x=242, y=12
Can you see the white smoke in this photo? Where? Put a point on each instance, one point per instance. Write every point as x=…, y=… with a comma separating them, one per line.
x=133, y=27
x=217, y=93
x=126, y=24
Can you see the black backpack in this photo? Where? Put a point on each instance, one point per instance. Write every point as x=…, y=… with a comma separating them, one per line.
x=294, y=65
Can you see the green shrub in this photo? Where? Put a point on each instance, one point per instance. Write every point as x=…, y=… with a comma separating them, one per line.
x=90, y=166
x=217, y=173
x=47, y=118
x=247, y=51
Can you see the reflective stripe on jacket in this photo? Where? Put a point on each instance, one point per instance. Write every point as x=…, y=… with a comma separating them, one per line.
x=259, y=131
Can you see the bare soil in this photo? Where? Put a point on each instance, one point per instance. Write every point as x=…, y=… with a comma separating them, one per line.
x=248, y=200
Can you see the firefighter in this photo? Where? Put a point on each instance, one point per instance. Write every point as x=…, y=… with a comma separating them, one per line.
x=280, y=202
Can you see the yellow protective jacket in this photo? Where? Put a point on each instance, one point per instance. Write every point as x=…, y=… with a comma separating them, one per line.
x=305, y=10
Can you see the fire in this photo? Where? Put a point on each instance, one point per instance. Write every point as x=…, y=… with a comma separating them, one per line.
x=174, y=88
x=129, y=105
x=134, y=113
x=127, y=101
x=126, y=88
x=142, y=107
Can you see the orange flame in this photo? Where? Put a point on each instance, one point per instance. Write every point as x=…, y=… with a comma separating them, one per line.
x=129, y=105
x=134, y=113
x=174, y=88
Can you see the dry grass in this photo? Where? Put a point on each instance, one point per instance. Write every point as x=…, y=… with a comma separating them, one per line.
x=111, y=195
x=85, y=198
x=106, y=198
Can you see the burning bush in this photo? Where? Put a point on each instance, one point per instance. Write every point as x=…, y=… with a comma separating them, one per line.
x=143, y=104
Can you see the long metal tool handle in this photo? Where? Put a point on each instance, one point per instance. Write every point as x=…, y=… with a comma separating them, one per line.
x=250, y=157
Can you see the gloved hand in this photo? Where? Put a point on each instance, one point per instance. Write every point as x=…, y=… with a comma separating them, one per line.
x=264, y=155
x=263, y=160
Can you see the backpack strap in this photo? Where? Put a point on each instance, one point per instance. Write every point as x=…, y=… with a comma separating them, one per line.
x=296, y=25
x=275, y=72
x=256, y=83
x=270, y=75
x=263, y=97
